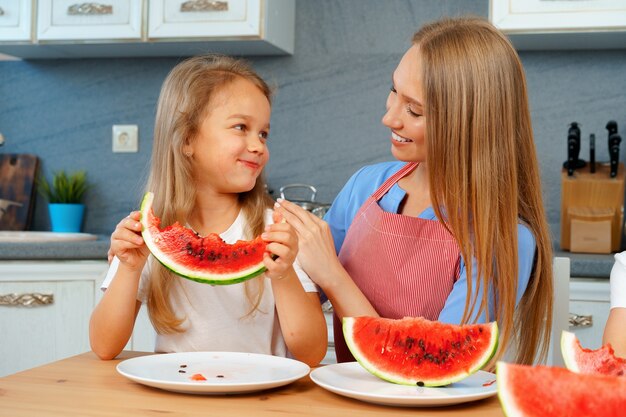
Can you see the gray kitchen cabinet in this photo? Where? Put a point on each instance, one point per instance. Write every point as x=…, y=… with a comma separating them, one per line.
x=44, y=310
x=146, y=28
x=589, y=309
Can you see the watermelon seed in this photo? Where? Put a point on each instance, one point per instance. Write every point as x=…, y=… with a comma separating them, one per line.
x=420, y=384
x=220, y=376
x=181, y=371
x=421, y=344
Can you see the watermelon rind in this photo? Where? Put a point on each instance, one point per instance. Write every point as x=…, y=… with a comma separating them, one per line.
x=479, y=362
x=203, y=277
x=507, y=400
x=568, y=350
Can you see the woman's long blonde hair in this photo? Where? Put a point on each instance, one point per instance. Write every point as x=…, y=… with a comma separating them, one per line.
x=484, y=171
x=183, y=103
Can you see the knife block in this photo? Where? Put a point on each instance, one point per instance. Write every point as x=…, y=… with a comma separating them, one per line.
x=592, y=210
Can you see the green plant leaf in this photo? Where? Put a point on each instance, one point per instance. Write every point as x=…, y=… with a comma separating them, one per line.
x=65, y=189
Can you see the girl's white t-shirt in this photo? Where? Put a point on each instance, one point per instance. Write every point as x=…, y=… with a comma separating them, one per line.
x=618, y=281
x=216, y=316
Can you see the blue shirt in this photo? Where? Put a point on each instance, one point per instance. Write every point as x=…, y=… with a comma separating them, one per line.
x=366, y=181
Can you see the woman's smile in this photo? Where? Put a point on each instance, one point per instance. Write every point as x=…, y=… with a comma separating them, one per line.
x=398, y=138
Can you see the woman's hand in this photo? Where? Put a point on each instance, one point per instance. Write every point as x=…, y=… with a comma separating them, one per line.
x=316, y=254
x=127, y=243
x=283, y=242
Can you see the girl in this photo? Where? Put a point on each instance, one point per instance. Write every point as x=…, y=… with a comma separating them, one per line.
x=615, y=328
x=467, y=188
x=212, y=125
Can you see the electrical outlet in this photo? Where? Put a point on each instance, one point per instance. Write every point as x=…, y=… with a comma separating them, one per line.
x=125, y=138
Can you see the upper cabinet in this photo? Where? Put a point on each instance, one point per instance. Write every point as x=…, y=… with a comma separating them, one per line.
x=67, y=20
x=202, y=18
x=142, y=28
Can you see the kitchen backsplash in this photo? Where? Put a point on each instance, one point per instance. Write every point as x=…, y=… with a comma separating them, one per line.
x=326, y=116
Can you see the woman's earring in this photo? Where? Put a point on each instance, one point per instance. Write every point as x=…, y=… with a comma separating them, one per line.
x=187, y=154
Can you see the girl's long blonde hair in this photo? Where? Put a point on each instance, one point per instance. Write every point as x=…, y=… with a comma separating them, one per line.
x=484, y=172
x=183, y=104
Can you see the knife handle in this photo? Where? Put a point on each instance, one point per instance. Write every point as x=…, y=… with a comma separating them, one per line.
x=614, y=141
x=611, y=126
x=592, y=153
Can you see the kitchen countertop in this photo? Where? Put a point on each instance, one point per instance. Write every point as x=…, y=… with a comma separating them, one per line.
x=83, y=385
x=582, y=264
x=88, y=249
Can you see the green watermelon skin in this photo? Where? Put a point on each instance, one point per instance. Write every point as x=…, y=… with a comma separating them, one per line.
x=204, y=259
x=416, y=351
x=587, y=361
x=542, y=391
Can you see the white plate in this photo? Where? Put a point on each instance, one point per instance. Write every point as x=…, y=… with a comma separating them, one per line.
x=225, y=372
x=352, y=380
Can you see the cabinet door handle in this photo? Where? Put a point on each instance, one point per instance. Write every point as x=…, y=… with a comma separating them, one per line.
x=576, y=320
x=87, y=9
x=1, y=11
x=204, y=6
x=26, y=300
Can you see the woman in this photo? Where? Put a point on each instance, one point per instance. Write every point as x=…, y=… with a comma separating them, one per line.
x=467, y=187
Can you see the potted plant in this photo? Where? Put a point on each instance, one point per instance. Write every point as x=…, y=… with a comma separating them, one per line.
x=65, y=200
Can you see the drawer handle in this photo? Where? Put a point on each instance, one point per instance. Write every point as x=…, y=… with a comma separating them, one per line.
x=204, y=6
x=26, y=300
x=580, y=321
x=1, y=11
x=86, y=9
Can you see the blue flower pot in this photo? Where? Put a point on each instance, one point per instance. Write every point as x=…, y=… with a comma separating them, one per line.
x=66, y=218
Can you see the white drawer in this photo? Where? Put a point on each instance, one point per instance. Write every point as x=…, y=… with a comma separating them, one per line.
x=97, y=20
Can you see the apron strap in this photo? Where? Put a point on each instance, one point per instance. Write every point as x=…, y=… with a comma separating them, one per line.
x=386, y=186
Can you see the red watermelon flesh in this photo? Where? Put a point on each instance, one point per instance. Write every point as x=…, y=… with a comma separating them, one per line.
x=542, y=391
x=587, y=361
x=416, y=351
x=207, y=259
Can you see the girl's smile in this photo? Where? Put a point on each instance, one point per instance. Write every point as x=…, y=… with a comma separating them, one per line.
x=250, y=164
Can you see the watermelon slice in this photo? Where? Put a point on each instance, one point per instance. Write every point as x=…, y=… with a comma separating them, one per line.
x=207, y=259
x=416, y=351
x=586, y=361
x=541, y=391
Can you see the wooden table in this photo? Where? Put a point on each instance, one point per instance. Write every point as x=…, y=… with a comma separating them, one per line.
x=83, y=385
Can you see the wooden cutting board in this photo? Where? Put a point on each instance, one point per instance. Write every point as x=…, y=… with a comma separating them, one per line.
x=17, y=190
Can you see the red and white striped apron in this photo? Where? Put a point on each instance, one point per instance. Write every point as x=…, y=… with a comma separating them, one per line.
x=405, y=266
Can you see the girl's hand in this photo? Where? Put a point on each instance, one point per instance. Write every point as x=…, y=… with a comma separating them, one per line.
x=127, y=243
x=316, y=253
x=283, y=242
